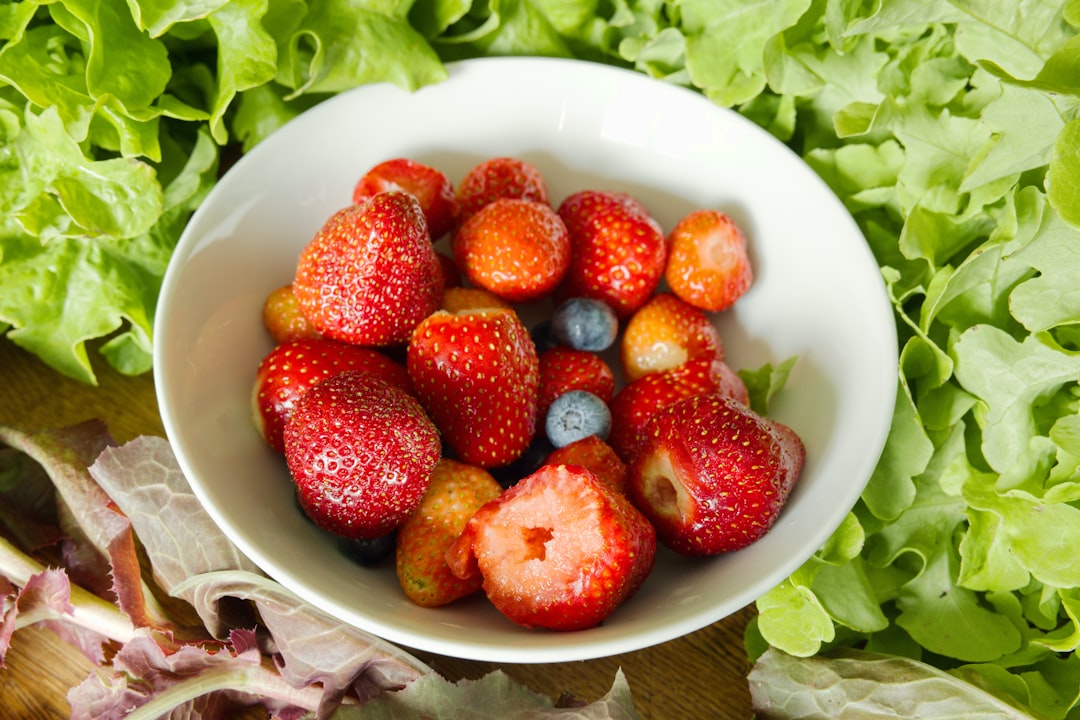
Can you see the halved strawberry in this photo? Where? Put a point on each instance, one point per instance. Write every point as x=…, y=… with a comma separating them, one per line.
x=559, y=550
x=361, y=453
x=495, y=178
x=708, y=263
x=563, y=369
x=370, y=274
x=618, y=250
x=634, y=405
x=592, y=453
x=293, y=367
x=283, y=318
x=430, y=186
x=517, y=249
x=477, y=374
x=663, y=334
x=457, y=491
x=712, y=475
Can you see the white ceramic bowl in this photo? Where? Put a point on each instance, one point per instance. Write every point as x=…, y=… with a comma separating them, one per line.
x=817, y=295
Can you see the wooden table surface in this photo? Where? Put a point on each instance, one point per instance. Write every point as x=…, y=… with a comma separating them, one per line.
x=702, y=675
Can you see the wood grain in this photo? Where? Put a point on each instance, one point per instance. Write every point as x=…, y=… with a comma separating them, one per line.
x=702, y=675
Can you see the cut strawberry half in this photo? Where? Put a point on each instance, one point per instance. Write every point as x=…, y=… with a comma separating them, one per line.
x=560, y=550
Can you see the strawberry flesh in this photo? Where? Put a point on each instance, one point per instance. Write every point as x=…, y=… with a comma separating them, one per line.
x=559, y=550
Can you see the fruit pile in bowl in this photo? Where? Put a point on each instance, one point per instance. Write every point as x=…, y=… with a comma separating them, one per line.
x=413, y=454
x=547, y=361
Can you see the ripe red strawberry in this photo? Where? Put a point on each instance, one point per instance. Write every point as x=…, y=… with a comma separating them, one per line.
x=461, y=299
x=361, y=453
x=712, y=475
x=592, y=453
x=664, y=333
x=708, y=262
x=559, y=550
x=618, y=250
x=283, y=318
x=563, y=369
x=518, y=249
x=428, y=185
x=295, y=366
x=637, y=402
x=495, y=178
x=477, y=374
x=370, y=274
x=457, y=491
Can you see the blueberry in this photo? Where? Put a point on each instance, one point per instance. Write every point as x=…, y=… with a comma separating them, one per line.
x=575, y=415
x=542, y=336
x=368, y=552
x=585, y=324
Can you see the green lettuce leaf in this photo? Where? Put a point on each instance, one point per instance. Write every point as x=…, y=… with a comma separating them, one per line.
x=332, y=48
x=855, y=684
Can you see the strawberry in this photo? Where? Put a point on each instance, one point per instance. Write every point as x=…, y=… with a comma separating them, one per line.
x=460, y=299
x=283, y=318
x=563, y=369
x=457, y=490
x=559, y=550
x=618, y=250
x=712, y=475
x=708, y=263
x=637, y=402
x=498, y=177
x=477, y=374
x=664, y=333
x=592, y=453
x=517, y=249
x=370, y=274
x=293, y=367
x=431, y=188
x=361, y=453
